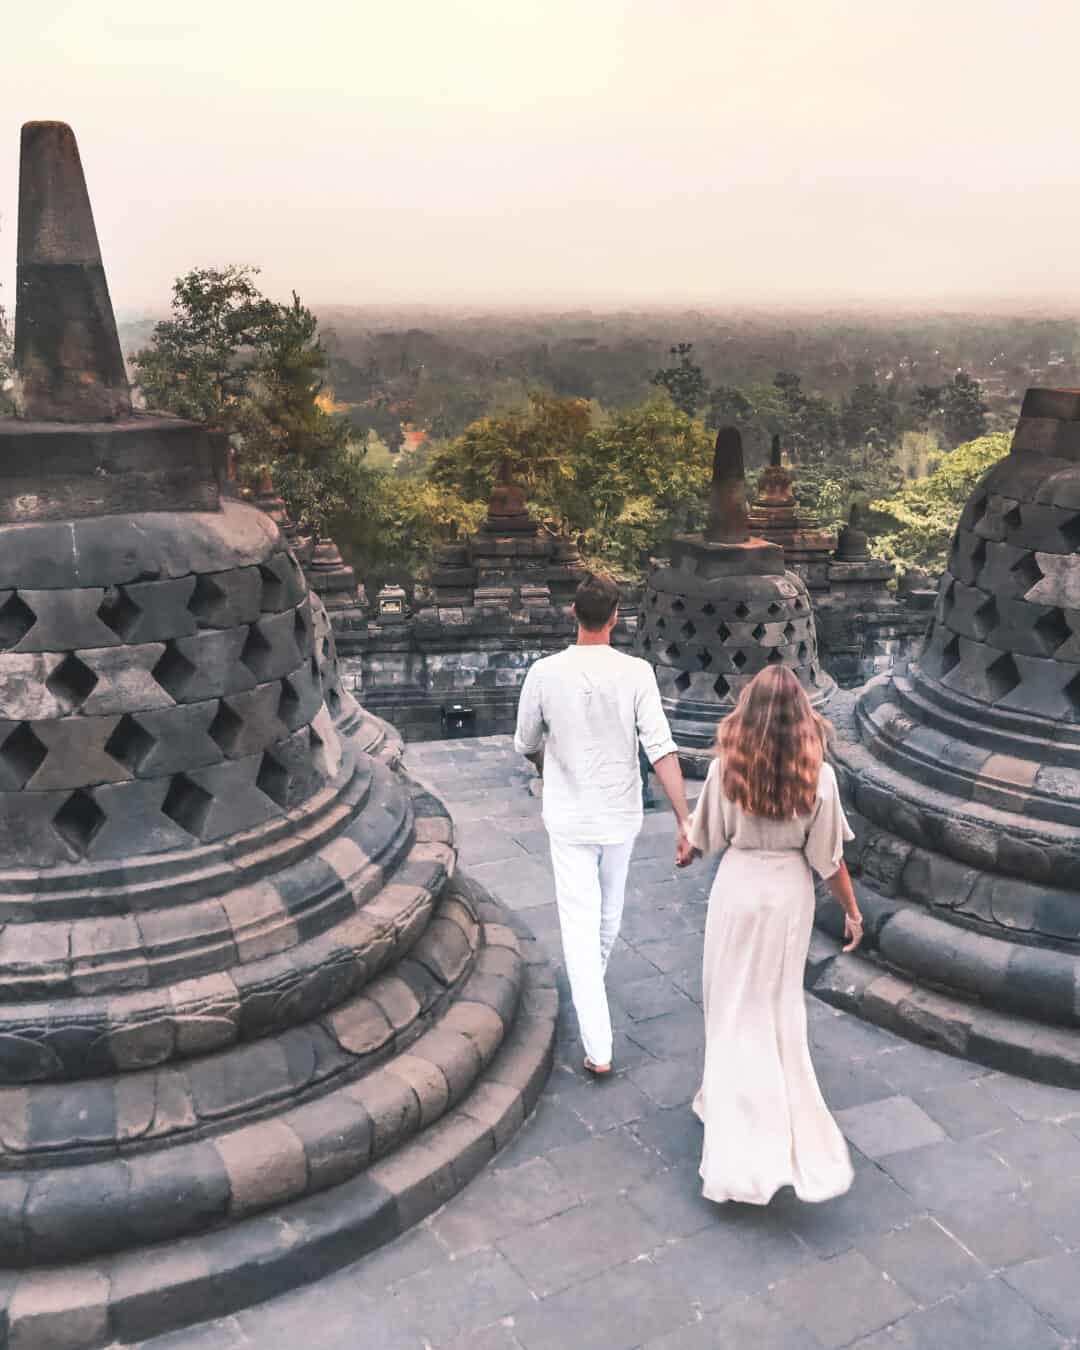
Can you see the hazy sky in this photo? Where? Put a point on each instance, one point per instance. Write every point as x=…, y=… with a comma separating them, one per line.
x=569, y=152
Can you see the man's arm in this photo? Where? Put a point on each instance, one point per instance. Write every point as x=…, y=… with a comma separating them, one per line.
x=656, y=740
x=529, y=736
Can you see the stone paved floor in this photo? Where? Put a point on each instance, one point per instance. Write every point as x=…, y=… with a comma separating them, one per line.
x=962, y=1229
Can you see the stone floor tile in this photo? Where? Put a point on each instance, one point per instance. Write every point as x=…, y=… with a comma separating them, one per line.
x=988, y=1315
x=675, y=1033
x=669, y=1082
x=500, y=1201
x=415, y=1250
x=941, y=1172
x=603, y=1103
x=579, y=1244
x=674, y=1134
x=627, y=966
x=520, y=885
x=888, y=1126
x=849, y=1082
x=915, y=1068
x=925, y=1260
x=874, y=1205
x=471, y=1292
x=221, y=1335
x=1034, y=1101
x=615, y=1310
x=653, y=996
x=552, y=1125
x=344, y=1314
x=841, y=1300
x=1039, y=1149
x=747, y=1324
x=966, y=1110
x=498, y=1336
x=742, y=1252
x=673, y=953
x=1002, y=1230
x=852, y=1039
x=604, y=1165
x=1052, y=1287
x=672, y=1200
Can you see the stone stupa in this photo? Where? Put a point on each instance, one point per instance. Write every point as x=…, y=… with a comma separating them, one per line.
x=963, y=779
x=723, y=609
x=251, y=1022
x=774, y=515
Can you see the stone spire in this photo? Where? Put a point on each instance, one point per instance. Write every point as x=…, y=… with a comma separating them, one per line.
x=727, y=522
x=69, y=367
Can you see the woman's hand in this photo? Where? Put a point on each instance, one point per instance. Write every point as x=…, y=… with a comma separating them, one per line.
x=685, y=852
x=853, y=931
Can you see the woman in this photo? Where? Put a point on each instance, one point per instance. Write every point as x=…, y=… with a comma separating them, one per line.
x=771, y=801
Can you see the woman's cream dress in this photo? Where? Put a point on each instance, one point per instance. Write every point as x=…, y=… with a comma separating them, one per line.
x=766, y=1123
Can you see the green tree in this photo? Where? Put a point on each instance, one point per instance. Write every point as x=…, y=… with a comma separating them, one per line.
x=685, y=382
x=915, y=525
x=963, y=411
x=7, y=404
x=871, y=416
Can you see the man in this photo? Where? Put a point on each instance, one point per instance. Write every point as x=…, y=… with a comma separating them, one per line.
x=580, y=719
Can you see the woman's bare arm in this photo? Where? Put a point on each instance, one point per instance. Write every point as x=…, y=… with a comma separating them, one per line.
x=844, y=895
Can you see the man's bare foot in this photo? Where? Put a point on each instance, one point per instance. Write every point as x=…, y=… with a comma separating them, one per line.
x=598, y=1070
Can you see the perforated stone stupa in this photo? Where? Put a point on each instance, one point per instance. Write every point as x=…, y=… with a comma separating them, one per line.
x=724, y=609
x=252, y=1023
x=964, y=780
x=774, y=515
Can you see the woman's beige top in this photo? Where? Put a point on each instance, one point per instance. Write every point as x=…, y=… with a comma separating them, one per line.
x=718, y=823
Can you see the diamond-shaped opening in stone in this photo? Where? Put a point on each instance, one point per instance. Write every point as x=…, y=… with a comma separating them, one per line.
x=688, y=630
x=16, y=620
x=1012, y=518
x=813, y=674
x=272, y=595
x=71, y=683
x=775, y=657
x=1027, y=572
x=129, y=743
x=257, y=652
x=1002, y=676
x=738, y=659
x=682, y=683
x=742, y=610
x=708, y=608
x=758, y=633
x=325, y=649
x=646, y=644
x=673, y=652
x=23, y=754
x=977, y=509
x=273, y=780
x=207, y=597
x=948, y=598
x=313, y=664
x=224, y=730
x=1072, y=693
x=119, y=612
x=661, y=624
x=775, y=609
x=978, y=558
x=290, y=708
x=305, y=640
x=187, y=804
x=333, y=701
x=78, y=821
x=950, y=655
x=798, y=603
x=804, y=653
x=721, y=688
x=1071, y=531
x=651, y=599
x=704, y=659
x=789, y=632
x=723, y=632
x=986, y=618
x=1052, y=630
x=678, y=606
x=173, y=671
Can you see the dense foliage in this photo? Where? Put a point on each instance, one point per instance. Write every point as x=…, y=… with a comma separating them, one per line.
x=6, y=404
x=915, y=526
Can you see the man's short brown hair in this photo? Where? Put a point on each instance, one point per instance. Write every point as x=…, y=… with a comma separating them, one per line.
x=596, y=600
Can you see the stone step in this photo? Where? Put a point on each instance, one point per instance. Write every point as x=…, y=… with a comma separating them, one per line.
x=185, y=1187
x=282, y=977
x=88, y=1120
x=859, y=983
x=134, y=1295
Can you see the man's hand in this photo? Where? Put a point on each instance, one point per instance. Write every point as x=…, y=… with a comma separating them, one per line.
x=685, y=852
x=537, y=761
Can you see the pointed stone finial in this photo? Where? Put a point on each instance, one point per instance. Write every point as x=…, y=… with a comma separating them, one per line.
x=727, y=497
x=776, y=459
x=68, y=363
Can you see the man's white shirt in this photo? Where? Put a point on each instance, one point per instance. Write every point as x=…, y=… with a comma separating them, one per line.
x=588, y=707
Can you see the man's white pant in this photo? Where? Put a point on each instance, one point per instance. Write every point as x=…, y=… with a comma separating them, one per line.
x=590, y=886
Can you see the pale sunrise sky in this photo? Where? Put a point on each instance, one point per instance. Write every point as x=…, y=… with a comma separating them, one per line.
x=566, y=152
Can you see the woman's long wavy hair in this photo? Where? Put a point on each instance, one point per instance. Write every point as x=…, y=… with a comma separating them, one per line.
x=772, y=747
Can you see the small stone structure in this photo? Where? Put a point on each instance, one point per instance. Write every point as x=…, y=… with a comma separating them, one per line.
x=722, y=610
x=252, y=1023
x=774, y=516
x=963, y=781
